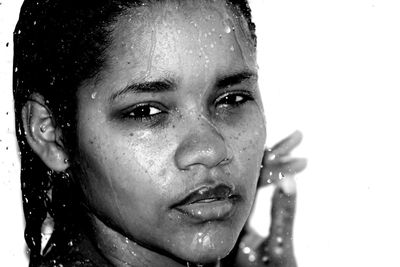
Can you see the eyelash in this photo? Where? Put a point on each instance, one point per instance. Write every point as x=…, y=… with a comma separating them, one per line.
x=148, y=112
x=151, y=111
x=244, y=95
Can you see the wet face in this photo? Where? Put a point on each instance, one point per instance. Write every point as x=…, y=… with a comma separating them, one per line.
x=171, y=132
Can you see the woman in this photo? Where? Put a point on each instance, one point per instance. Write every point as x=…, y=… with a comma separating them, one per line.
x=141, y=131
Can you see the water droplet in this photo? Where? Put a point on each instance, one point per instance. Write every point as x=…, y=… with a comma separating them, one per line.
x=212, y=45
x=94, y=95
x=246, y=250
x=281, y=176
x=278, y=250
x=252, y=257
x=232, y=48
x=271, y=156
x=227, y=29
x=265, y=259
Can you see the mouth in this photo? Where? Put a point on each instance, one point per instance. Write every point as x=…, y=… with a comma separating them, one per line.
x=208, y=203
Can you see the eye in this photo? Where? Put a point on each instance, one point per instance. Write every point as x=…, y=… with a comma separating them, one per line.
x=233, y=99
x=142, y=112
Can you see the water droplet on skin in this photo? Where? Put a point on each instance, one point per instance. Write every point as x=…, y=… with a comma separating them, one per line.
x=227, y=29
x=270, y=173
x=93, y=96
x=281, y=176
x=271, y=156
x=252, y=257
x=278, y=250
x=246, y=250
x=265, y=259
x=269, y=181
x=232, y=48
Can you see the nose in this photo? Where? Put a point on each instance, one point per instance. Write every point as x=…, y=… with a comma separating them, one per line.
x=202, y=145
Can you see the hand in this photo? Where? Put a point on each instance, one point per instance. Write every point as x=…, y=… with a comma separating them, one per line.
x=277, y=249
x=277, y=161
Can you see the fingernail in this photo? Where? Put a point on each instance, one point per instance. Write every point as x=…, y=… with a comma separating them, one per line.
x=288, y=185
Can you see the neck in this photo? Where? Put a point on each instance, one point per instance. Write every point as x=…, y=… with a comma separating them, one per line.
x=121, y=251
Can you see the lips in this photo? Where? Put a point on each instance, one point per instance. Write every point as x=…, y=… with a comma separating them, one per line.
x=208, y=203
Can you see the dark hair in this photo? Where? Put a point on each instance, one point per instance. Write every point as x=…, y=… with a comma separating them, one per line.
x=59, y=44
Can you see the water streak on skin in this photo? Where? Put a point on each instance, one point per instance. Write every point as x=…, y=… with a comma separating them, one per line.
x=151, y=53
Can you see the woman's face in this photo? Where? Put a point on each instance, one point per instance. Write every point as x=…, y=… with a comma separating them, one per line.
x=171, y=132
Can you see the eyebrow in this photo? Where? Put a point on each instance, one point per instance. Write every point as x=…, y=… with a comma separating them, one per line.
x=236, y=78
x=145, y=87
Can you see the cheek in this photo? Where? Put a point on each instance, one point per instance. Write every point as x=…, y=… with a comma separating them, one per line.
x=119, y=179
x=246, y=141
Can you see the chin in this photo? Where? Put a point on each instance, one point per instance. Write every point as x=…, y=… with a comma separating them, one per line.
x=210, y=244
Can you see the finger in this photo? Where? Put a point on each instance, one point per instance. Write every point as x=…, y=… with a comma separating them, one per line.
x=278, y=248
x=276, y=171
x=285, y=146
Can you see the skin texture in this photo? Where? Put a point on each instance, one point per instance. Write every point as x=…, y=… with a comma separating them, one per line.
x=135, y=164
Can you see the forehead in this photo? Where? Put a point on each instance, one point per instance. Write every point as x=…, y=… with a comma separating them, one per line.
x=184, y=37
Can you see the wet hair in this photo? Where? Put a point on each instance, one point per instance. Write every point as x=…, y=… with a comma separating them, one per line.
x=59, y=44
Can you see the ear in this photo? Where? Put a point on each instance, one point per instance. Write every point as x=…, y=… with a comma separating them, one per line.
x=42, y=135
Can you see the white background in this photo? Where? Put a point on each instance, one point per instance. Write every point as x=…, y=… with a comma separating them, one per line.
x=329, y=68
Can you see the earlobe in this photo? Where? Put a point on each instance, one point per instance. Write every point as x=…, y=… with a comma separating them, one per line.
x=42, y=134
